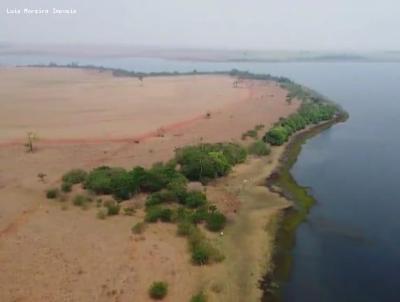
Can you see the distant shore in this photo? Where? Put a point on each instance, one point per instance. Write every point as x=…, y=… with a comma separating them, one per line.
x=200, y=55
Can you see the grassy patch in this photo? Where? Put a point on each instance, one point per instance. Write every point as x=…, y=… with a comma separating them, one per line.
x=80, y=200
x=74, y=176
x=259, y=148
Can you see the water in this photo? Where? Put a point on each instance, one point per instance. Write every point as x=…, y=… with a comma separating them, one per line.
x=349, y=247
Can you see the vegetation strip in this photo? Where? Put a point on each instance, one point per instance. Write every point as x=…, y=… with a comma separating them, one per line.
x=283, y=183
x=118, y=72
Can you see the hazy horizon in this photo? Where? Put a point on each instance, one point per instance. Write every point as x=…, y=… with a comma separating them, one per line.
x=307, y=25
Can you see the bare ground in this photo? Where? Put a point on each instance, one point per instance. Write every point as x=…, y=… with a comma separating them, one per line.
x=53, y=251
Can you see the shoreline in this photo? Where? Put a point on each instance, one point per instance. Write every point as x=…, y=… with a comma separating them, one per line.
x=281, y=182
x=259, y=231
x=248, y=239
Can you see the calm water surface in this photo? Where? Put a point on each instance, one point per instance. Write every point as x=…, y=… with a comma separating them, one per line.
x=349, y=247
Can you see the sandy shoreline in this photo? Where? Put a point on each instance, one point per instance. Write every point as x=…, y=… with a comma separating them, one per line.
x=56, y=252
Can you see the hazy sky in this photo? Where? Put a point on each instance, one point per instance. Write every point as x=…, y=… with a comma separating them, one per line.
x=258, y=24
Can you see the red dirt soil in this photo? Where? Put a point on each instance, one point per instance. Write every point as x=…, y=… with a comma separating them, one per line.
x=84, y=119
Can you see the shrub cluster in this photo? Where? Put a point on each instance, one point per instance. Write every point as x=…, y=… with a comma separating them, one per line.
x=156, y=213
x=71, y=178
x=166, y=185
x=208, y=161
x=158, y=290
x=309, y=113
x=194, y=211
x=192, y=199
x=124, y=184
x=215, y=221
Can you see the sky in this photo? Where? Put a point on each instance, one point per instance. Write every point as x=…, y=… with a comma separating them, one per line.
x=223, y=24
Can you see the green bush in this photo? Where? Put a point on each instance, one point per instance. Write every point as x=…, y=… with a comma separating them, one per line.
x=200, y=254
x=277, y=136
x=148, y=181
x=160, y=197
x=178, y=189
x=215, y=221
x=122, y=185
x=182, y=214
x=74, y=176
x=139, y=228
x=200, y=297
x=155, y=213
x=158, y=177
x=158, y=290
x=195, y=199
x=199, y=215
x=259, y=148
x=166, y=215
x=52, y=193
x=234, y=153
x=99, y=180
x=116, y=181
x=209, y=161
x=312, y=111
x=66, y=187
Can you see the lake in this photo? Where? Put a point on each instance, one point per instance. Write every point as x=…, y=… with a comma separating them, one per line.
x=349, y=247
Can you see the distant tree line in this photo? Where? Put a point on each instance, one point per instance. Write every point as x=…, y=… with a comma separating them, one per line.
x=310, y=112
x=119, y=72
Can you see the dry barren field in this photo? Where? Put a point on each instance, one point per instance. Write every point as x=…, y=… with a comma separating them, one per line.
x=53, y=251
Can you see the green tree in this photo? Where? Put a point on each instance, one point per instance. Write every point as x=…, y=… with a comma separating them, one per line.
x=278, y=135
